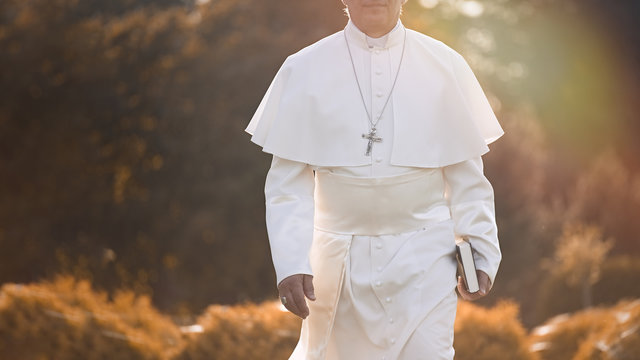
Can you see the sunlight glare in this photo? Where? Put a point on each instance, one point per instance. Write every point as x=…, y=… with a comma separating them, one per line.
x=470, y=8
x=482, y=38
x=196, y=328
x=516, y=70
x=429, y=4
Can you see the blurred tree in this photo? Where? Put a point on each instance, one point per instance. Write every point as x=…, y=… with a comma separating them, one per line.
x=123, y=157
x=607, y=193
x=121, y=147
x=579, y=256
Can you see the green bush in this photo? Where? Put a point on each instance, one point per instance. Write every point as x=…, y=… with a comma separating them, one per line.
x=490, y=334
x=66, y=319
x=247, y=331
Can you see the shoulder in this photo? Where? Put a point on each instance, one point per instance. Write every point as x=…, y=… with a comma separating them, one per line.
x=434, y=46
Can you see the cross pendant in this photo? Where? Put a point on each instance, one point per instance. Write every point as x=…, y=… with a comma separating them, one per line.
x=371, y=136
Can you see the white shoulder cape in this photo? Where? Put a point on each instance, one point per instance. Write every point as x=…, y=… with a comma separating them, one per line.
x=312, y=111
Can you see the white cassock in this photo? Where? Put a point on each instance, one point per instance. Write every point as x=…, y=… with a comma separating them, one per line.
x=377, y=231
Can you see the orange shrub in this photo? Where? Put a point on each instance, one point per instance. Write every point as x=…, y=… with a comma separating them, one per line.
x=66, y=319
x=619, y=339
x=490, y=334
x=593, y=334
x=560, y=337
x=247, y=331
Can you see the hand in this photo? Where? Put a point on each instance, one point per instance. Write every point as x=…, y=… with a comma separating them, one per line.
x=295, y=288
x=483, y=281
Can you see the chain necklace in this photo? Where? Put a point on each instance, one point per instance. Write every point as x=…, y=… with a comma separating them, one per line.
x=371, y=136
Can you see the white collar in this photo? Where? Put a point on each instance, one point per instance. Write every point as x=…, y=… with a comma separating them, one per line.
x=390, y=39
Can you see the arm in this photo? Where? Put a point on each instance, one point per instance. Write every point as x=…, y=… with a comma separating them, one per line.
x=289, y=207
x=471, y=200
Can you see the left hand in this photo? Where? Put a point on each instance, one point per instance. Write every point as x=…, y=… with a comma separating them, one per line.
x=483, y=282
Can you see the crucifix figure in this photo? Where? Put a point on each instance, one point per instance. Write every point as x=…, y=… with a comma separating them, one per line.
x=371, y=136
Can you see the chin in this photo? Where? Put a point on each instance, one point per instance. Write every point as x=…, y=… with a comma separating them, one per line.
x=378, y=17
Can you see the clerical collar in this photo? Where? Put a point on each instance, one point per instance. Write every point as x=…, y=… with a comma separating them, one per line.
x=392, y=38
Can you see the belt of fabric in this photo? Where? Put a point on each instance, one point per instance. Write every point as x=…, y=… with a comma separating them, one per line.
x=379, y=206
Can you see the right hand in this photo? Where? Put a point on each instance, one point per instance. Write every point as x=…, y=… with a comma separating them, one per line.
x=295, y=288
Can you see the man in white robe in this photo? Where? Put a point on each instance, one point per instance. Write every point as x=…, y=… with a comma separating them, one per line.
x=377, y=134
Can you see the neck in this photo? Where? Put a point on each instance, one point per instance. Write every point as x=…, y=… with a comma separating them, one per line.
x=374, y=30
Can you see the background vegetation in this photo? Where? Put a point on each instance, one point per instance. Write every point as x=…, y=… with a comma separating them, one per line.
x=123, y=160
x=66, y=319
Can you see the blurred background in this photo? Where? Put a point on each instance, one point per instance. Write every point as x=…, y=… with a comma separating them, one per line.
x=132, y=205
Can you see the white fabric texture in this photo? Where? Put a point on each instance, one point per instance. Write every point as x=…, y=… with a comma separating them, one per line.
x=311, y=119
x=290, y=211
x=313, y=113
x=375, y=290
x=386, y=266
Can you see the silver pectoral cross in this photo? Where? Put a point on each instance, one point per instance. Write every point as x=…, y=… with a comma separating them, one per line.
x=371, y=136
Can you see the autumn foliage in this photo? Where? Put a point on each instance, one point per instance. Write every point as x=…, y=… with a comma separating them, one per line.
x=247, y=331
x=593, y=334
x=123, y=162
x=67, y=319
x=486, y=334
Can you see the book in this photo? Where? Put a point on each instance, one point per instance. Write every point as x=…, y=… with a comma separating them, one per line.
x=466, y=265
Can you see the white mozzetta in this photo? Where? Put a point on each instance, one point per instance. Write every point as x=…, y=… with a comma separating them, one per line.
x=441, y=115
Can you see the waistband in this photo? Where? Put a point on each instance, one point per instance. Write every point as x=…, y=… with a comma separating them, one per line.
x=379, y=206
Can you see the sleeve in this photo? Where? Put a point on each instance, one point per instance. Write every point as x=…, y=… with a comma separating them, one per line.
x=289, y=207
x=471, y=200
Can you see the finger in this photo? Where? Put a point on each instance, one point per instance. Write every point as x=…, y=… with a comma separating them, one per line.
x=291, y=287
x=290, y=303
x=459, y=285
x=307, y=286
x=461, y=290
x=485, y=282
x=466, y=294
x=298, y=298
x=288, y=282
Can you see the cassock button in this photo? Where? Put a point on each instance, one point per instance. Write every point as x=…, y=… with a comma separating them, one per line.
x=390, y=320
x=379, y=268
x=388, y=299
x=393, y=341
x=378, y=283
x=379, y=94
x=378, y=71
x=377, y=52
x=379, y=159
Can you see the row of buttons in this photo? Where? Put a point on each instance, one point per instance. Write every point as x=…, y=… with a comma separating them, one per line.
x=379, y=93
x=388, y=299
x=378, y=245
